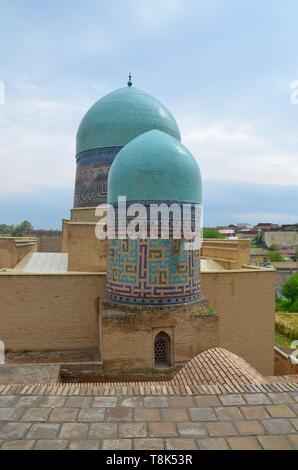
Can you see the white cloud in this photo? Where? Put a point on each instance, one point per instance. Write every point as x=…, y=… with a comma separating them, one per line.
x=238, y=153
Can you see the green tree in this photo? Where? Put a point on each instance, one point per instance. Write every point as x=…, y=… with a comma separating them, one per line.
x=6, y=230
x=212, y=233
x=20, y=229
x=290, y=290
x=258, y=242
x=296, y=254
x=275, y=256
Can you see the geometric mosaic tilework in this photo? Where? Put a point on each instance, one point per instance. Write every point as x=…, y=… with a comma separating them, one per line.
x=152, y=272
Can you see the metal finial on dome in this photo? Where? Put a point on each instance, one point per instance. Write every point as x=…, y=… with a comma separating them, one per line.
x=129, y=80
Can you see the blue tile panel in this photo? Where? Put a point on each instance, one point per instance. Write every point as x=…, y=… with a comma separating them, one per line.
x=152, y=272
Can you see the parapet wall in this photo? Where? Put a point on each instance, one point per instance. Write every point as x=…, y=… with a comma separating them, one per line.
x=13, y=250
x=231, y=254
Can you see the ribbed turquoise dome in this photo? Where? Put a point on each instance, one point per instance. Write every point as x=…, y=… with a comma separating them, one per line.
x=120, y=117
x=155, y=167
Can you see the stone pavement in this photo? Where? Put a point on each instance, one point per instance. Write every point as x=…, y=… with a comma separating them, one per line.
x=77, y=416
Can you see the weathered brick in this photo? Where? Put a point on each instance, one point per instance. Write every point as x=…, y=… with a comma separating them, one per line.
x=78, y=402
x=148, y=444
x=278, y=426
x=23, y=444
x=244, y=443
x=105, y=402
x=176, y=415
x=52, y=402
x=82, y=444
x=30, y=401
x=180, y=444
x=254, y=412
x=128, y=430
x=14, y=430
x=221, y=429
x=44, y=431
x=228, y=413
x=212, y=443
x=132, y=402
x=117, y=444
x=162, y=430
x=36, y=414
x=232, y=400
x=192, y=429
x=91, y=415
x=280, y=411
x=249, y=428
x=7, y=400
x=51, y=444
x=278, y=398
x=293, y=438
x=103, y=431
x=181, y=402
x=207, y=400
x=202, y=414
x=64, y=414
x=10, y=413
x=155, y=402
x=74, y=431
x=119, y=414
x=274, y=443
x=147, y=414
x=257, y=399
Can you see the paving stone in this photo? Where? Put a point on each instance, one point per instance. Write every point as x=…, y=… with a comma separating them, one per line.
x=176, y=415
x=181, y=402
x=51, y=444
x=105, y=402
x=278, y=426
x=91, y=415
x=78, y=402
x=23, y=444
x=162, y=430
x=221, y=429
x=257, y=399
x=64, y=415
x=207, y=400
x=147, y=414
x=103, y=431
x=74, y=431
x=249, y=428
x=274, y=443
x=254, y=412
x=30, y=401
x=117, y=444
x=148, y=444
x=294, y=422
x=232, y=400
x=36, y=414
x=293, y=438
x=84, y=445
x=180, y=444
x=44, y=431
x=294, y=395
x=212, y=443
x=119, y=414
x=7, y=400
x=295, y=409
x=52, y=402
x=280, y=411
x=244, y=443
x=202, y=414
x=155, y=402
x=132, y=430
x=132, y=402
x=14, y=430
x=228, y=413
x=10, y=413
x=278, y=398
x=192, y=429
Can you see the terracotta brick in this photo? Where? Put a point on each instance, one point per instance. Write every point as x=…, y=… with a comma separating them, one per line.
x=274, y=443
x=162, y=430
x=177, y=415
x=249, y=428
x=244, y=443
x=147, y=414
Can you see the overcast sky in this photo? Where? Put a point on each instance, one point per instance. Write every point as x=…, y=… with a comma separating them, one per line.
x=223, y=67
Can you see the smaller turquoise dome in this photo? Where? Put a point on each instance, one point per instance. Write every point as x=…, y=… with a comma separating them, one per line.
x=155, y=167
x=120, y=117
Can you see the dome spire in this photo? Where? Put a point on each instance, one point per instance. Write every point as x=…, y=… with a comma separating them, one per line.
x=129, y=81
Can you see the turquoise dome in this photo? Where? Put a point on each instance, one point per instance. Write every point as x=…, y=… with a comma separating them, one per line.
x=155, y=167
x=120, y=117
